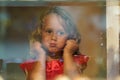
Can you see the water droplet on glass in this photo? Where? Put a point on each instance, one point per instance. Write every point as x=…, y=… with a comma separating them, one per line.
x=101, y=44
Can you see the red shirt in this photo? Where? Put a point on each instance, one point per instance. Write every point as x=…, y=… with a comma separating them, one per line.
x=54, y=67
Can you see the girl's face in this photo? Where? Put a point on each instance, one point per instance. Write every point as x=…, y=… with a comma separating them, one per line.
x=53, y=34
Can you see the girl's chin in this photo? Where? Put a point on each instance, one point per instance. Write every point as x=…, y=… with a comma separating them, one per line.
x=54, y=51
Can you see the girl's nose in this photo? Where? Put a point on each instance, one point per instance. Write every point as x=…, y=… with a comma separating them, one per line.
x=54, y=36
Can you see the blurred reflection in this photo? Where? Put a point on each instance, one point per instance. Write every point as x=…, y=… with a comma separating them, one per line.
x=63, y=77
x=117, y=78
x=18, y=22
x=4, y=19
x=1, y=78
x=113, y=63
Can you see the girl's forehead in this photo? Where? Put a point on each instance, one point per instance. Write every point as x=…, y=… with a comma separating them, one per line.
x=53, y=20
x=52, y=16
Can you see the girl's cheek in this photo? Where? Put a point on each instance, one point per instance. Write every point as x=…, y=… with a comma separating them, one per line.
x=62, y=42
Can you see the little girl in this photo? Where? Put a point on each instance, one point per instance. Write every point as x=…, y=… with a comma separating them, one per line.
x=56, y=43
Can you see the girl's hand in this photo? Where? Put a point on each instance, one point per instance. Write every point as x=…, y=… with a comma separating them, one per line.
x=71, y=46
x=38, y=70
x=36, y=47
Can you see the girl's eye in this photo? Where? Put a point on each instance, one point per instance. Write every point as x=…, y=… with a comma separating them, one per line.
x=60, y=33
x=49, y=31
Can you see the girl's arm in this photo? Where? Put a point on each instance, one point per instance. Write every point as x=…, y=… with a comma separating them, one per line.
x=70, y=67
x=38, y=71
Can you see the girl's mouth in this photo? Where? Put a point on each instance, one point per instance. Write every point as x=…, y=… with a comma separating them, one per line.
x=52, y=45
